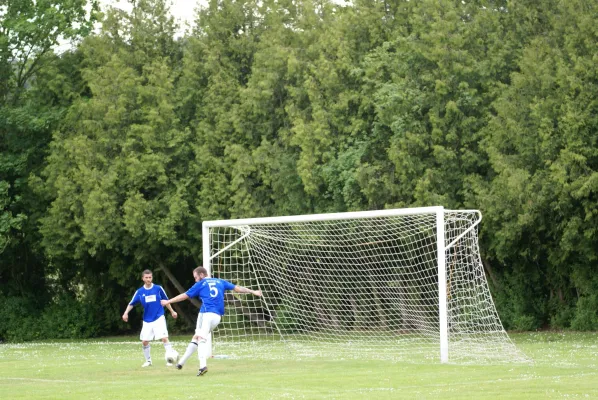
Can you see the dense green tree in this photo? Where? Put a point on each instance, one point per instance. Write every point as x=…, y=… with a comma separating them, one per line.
x=111, y=156
x=117, y=171
x=541, y=206
x=217, y=66
x=265, y=179
x=36, y=87
x=431, y=86
x=29, y=33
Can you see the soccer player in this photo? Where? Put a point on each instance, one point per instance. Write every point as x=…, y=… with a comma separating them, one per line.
x=154, y=322
x=211, y=293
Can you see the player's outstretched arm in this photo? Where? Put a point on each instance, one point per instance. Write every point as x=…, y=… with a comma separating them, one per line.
x=176, y=299
x=241, y=289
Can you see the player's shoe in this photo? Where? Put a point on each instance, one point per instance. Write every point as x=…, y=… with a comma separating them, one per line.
x=202, y=371
x=168, y=364
x=179, y=366
x=148, y=363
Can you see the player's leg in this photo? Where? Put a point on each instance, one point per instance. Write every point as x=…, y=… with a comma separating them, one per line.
x=167, y=344
x=191, y=347
x=161, y=332
x=167, y=348
x=211, y=321
x=146, y=336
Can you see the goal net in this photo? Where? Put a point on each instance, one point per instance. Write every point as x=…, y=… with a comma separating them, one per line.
x=405, y=284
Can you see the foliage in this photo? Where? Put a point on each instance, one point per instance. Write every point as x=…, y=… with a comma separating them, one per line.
x=65, y=318
x=30, y=31
x=117, y=166
x=542, y=146
x=36, y=86
x=113, y=154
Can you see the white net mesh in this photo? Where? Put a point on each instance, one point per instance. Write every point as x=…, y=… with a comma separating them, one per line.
x=356, y=288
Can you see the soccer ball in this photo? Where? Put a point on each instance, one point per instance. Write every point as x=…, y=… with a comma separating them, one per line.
x=172, y=356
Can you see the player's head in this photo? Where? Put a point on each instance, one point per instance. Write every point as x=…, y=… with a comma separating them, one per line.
x=147, y=276
x=199, y=273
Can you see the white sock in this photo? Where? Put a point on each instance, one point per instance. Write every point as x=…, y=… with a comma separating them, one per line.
x=201, y=353
x=190, y=350
x=167, y=346
x=146, y=352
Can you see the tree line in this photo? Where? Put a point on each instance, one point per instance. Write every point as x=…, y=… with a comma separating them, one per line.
x=114, y=152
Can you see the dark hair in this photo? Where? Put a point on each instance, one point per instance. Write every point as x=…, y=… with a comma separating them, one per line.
x=146, y=272
x=201, y=270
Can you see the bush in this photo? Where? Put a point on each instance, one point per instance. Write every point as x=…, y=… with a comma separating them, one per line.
x=18, y=320
x=65, y=318
x=586, y=314
x=526, y=323
x=562, y=317
x=68, y=318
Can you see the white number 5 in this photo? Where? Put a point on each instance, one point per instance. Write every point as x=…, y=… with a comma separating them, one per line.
x=213, y=289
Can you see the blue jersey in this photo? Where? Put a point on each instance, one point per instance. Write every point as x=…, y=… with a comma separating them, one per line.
x=211, y=293
x=150, y=300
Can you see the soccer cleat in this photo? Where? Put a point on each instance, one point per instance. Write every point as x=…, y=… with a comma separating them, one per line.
x=202, y=371
x=179, y=366
x=169, y=364
x=148, y=363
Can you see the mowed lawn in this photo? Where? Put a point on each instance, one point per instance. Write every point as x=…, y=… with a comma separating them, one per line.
x=565, y=367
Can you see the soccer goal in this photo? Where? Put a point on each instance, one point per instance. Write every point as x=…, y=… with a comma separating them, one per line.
x=401, y=284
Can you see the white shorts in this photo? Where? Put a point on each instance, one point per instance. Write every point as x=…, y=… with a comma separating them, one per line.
x=206, y=323
x=154, y=330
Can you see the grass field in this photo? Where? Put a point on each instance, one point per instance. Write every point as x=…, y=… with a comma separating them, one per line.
x=565, y=366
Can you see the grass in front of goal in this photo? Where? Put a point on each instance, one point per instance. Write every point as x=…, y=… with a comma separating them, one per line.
x=565, y=366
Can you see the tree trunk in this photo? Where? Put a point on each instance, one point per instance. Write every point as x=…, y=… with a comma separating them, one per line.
x=490, y=273
x=176, y=283
x=257, y=318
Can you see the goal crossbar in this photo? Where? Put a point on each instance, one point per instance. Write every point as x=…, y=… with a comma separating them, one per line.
x=324, y=217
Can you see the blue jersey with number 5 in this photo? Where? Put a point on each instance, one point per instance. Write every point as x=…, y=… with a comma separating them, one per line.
x=211, y=293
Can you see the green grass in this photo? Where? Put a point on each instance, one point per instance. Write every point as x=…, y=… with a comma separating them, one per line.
x=565, y=366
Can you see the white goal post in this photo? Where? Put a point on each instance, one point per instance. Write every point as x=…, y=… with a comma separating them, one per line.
x=401, y=284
